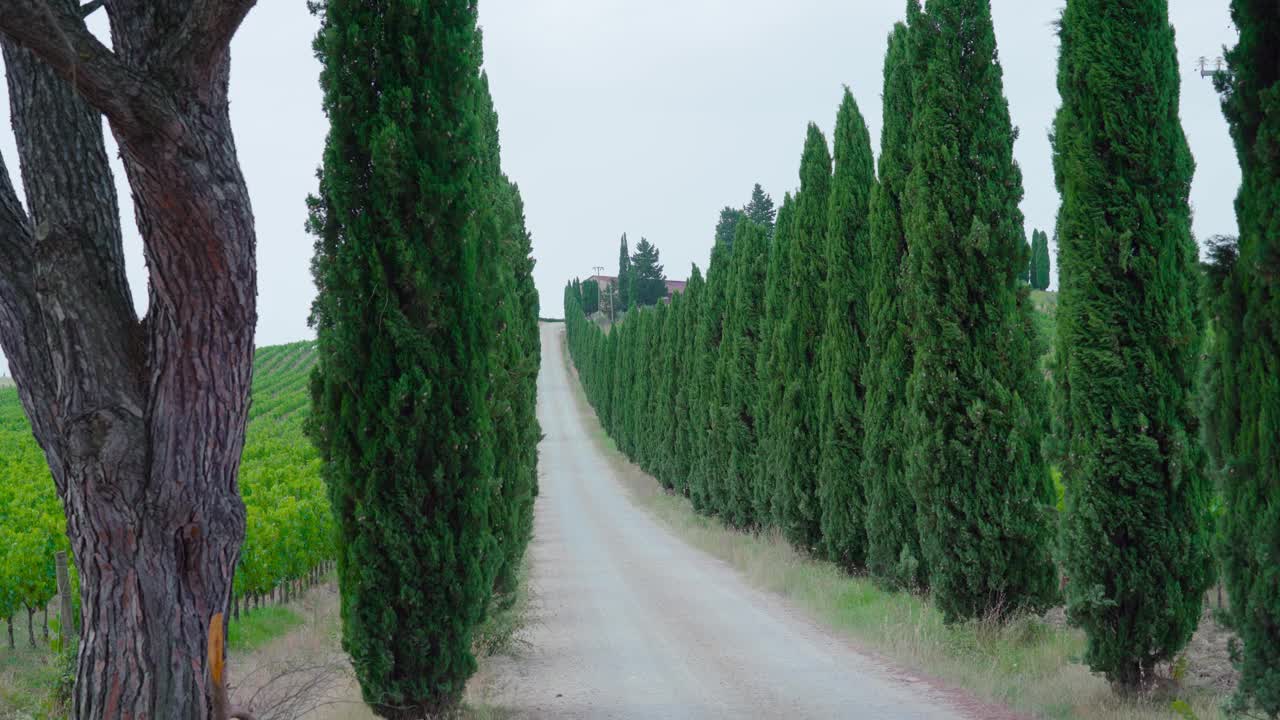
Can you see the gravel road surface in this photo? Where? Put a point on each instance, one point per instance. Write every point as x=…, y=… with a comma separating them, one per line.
x=628, y=621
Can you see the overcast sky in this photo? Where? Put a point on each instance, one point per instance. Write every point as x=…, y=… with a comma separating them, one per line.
x=648, y=117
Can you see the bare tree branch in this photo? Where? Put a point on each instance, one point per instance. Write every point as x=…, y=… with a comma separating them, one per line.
x=208, y=29
x=88, y=8
x=56, y=33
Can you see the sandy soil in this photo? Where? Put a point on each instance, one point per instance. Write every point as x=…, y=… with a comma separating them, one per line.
x=630, y=622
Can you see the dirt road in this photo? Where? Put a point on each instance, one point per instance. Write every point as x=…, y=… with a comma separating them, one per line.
x=630, y=622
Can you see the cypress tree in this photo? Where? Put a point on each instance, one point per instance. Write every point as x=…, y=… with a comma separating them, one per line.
x=1039, y=266
x=738, y=367
x=769, y=375
x=1135, y=533
x=708, y=467
x=843, y=348
x=405, y=345
x=688, y=418
x=662, y=432
x=1248, y=351
x=976, y=403
x=622, y=286
x=796, y=428
x=590, y=297
x=508, y=269
x=893, y=543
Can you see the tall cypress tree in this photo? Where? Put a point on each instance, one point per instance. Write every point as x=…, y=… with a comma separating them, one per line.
x=708, y=468
x=1136, y=533
x=737, y=372
x=976, y=402
x=688, y=413
x=843, y=348
x=796, y=426
x=405, y=339
x=893, y=543
x=769, y=376
x=508, y=270
x=623, y=284
x=1039, y=266
x=1248, y=350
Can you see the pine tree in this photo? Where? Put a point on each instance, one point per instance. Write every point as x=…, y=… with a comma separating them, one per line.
x=726, y=231
x=623, y=285
x=769, y=375
x=1136, y=537
x=976, y=404
x=893, y=543
x=1248, y=351
x=405, y=342
x=737, y=372
x=649, y=280
x=843, y=348
x=796, y=428
x=760, y=210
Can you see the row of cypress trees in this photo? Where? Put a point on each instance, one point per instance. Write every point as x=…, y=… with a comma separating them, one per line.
x=424, y=395
x=864, y=376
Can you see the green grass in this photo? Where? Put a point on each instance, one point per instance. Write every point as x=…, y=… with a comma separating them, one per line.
x=1027, y=664
x=260, y=626
x=27, y=679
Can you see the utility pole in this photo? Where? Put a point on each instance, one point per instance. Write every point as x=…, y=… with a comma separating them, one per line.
x=601, y=291
x=1205, y=72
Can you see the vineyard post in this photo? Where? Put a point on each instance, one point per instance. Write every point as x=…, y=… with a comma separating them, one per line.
x=67, y=617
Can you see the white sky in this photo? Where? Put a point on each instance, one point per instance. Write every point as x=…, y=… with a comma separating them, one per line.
x=648, y=117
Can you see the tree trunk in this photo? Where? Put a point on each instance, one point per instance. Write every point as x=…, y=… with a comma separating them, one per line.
x=9, y=622
x=46, y=624
x=142, y=422
x=31, y=626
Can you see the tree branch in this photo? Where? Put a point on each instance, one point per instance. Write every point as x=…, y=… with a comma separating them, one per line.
x=56, y=33
x=205, y=34
x=89, y=8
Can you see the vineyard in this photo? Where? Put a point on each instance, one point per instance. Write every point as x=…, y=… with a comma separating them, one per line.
x=289, y=528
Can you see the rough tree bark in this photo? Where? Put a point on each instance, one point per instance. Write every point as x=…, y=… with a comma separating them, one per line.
x=142, y=421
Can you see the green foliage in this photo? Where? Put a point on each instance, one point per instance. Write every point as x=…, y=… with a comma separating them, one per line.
x=891, y=509
x=1136, y=536
x=772, y=383
x=1245, y=315
x=709, y=396
x=1038, y=265
x=590, y=297
x=842, y=353
x=289, y=528
x=736, y=375
x=976, y=404
x=760, y=210
x=622, y=288
x=426, y=326
x=796, y=430
x=647, y=276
